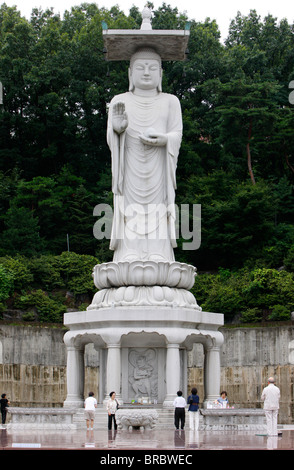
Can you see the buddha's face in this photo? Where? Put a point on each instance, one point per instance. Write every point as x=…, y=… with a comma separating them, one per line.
x=146, y=74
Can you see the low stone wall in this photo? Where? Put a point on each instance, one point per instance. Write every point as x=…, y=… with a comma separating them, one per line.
x=233, y=420
x=33, y=366
x=41, y=418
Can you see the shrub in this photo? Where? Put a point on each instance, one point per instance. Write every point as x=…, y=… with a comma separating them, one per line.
x=6, y=283
x=289, y=260
x=39, y=285
x=251, y=315
x=270, y=287
x=47, y=309
x=45, y=273
x=222, y=292
x=251, y=293
x=279, y=313
x=19, y=269
x=76, y=272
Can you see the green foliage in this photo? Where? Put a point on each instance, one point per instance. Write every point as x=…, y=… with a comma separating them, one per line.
x=251, y=315
x=254, y=295
x=279, y=312
x=55, y=164
x=236, y=157
x=67, y=271
x=223, y=294
x=46, y=308
x=44, y=287
x=19, y=270
x=6, y=283
x=21, y=233
x=45, y=274
x=238, y=222
x=270, y=287
x=76, y=272
x=289, y=259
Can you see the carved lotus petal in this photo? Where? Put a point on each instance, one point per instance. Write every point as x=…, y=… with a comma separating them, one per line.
x=161, y=296
x=129, y=293
x=158, y=293
x=144, y=273
x=150, y=273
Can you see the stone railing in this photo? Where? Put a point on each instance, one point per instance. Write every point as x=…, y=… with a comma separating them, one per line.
x=232, y=419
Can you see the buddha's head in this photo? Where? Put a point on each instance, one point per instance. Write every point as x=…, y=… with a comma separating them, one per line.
x=145, y=71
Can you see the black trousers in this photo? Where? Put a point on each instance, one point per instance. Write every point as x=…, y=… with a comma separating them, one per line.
x=180, y=417
x=4, y=413
x=110, y=419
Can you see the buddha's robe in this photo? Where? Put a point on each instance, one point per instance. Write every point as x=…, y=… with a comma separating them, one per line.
x=144, y=178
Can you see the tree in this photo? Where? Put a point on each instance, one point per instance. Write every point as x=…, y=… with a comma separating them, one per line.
x=6, y=284
x=237, y=220
x=167, y=17
x=81, y=222
x=247, y=118
x=21, y=233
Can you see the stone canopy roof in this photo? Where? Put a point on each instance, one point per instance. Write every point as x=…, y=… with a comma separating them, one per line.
x=121, y=44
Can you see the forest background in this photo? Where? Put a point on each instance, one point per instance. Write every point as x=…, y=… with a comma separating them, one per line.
x=236, y=159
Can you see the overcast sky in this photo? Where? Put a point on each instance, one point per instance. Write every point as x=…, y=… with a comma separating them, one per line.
x=223, y=11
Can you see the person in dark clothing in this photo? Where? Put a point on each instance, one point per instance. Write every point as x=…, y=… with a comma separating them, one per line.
x=193, y=402
x=4, y=402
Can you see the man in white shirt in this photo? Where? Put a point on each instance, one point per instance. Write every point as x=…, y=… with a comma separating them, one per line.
x=90, y=405
x=180, y=404
x=271, y=397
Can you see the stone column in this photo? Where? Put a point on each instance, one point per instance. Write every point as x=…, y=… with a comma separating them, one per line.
x=102, y=374
x=75, y=377
x=172, y=373
x=212, y=373
x=113, y=371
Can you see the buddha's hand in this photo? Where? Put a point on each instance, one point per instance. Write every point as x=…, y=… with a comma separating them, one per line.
x=153, y=138
x=119, y=117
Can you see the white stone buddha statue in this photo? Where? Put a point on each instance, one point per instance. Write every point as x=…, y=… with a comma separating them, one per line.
x=144, y=135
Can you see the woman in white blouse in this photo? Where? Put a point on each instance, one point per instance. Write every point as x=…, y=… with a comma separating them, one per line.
x=111, y=407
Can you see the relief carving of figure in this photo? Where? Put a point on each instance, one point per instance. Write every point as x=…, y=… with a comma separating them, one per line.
x=142, y=379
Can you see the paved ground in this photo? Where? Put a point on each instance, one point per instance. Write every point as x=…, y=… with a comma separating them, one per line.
x=136, y=440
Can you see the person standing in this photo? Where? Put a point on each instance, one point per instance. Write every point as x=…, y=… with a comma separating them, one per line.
x=90, y=405
x=112, y=406
x=193, y=402
x=271, y=398
x=180, y=405
x=4, y=403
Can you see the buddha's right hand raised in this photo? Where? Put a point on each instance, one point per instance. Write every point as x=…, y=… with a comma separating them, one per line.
x=119, y=117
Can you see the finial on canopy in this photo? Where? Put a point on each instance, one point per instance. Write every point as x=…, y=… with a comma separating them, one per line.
x=146, y=19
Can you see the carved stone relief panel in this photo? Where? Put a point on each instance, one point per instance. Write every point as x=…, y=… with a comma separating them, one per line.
x=141, y=368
